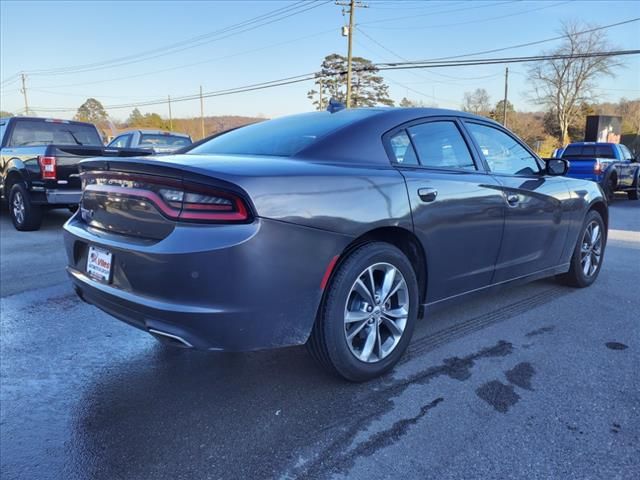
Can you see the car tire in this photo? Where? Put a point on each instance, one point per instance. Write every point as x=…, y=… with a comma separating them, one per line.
x=635, y=194
x=24, y=215
x=384, y=329
x=582, y=271
x=610, y=186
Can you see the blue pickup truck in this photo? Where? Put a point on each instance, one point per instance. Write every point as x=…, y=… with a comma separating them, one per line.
x=611, y=165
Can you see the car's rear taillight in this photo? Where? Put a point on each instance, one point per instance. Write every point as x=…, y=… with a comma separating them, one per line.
x=47, y=167
x=597, y=168
x=200, y=203
x=177, y=200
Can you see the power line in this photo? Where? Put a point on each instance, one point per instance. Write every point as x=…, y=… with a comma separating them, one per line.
x=260, y=21
x=476, y=20
x=170, y=47
x=379, y=66
x=397, y=55
x=183, y=66
x=494, y=61
x=538, y=42
x=437, y=12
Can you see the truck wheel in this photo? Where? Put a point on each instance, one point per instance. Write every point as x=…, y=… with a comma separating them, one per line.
x=610, y=187
x=368, y=314
x=24, y=215
x=588, y=254
x=635, y=194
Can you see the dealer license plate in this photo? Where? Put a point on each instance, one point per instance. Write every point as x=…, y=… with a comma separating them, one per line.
x=99, y=264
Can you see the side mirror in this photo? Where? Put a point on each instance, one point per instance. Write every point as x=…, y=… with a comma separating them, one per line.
x=557, y=166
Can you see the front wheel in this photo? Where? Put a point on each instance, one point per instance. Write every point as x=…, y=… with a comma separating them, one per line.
x=368, y=314
x=588, y=254
x=24, y=215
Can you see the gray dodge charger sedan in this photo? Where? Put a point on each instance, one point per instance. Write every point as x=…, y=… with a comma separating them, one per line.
x=337, y=230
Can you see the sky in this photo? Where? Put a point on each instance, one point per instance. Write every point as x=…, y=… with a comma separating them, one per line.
x=188, y=45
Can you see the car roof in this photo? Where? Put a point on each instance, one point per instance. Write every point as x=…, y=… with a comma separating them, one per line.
x=358, y=139
x=48, y=119
x=158, y=132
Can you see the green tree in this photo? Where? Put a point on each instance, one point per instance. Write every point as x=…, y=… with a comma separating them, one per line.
x=498, y=112
x=91, y=111
x=135, y=119
x=367, y=87
x=148, y=120
x=4, y=114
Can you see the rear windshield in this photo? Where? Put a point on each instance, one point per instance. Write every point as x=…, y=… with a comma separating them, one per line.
x=38, y=132
x=283, y=137
x=163, y=140
x=588, y=151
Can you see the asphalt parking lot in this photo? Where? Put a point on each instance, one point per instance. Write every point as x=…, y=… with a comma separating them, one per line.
x=538, y=381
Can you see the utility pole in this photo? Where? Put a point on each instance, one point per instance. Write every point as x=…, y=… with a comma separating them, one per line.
x=352, y=6
x=24, y=92
x=504, y=104
x=170, y=117
x=201, y=112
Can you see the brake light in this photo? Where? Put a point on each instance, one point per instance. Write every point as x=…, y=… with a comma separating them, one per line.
x=184, y=201
x=597, y=168
x=47, y=167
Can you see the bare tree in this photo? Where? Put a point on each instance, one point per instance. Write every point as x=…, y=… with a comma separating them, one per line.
x=477, y=102
x=564, y=85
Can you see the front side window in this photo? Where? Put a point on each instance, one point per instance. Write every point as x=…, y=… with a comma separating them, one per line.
x=440, y=145
x=504, y=154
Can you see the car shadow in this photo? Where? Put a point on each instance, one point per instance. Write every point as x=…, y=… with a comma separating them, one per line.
x=167, y=411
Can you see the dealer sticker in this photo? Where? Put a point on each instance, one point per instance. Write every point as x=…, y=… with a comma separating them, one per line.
x=99, y=264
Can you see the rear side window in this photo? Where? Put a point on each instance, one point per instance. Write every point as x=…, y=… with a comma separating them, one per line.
x=284, y=136
x=403, y=152
x=36, y=132
x=440, y=145
x=163, y=140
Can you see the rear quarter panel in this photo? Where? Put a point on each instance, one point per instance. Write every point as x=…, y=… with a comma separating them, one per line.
x=584, y=195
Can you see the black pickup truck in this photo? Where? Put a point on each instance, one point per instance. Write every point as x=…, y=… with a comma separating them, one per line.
x=39, y=164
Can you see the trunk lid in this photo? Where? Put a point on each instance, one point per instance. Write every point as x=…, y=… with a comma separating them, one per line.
x=146, y=198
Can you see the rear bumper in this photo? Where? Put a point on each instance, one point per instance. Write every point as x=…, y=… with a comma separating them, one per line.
x=217, y=287
x=58, y=197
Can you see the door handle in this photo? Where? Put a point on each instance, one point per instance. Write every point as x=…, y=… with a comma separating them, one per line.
x=427, y=194
x=513, y=199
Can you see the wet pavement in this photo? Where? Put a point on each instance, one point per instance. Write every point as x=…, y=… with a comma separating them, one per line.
x=537, y=381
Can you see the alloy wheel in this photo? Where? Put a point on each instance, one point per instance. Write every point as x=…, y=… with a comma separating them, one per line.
x=376, y=312
x=18, y=207
x=591, y=249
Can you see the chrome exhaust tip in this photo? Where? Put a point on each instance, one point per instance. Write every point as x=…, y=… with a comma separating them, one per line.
x=170, y=338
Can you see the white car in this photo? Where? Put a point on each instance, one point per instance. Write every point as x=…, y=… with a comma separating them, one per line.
x=158, y=141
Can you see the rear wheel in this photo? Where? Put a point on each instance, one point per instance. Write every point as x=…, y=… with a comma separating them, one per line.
x=24, y=215
x=588, y=254
x=610, y=187
x=368, y=315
